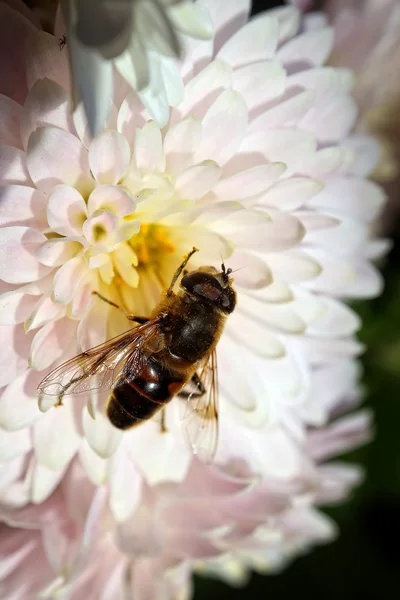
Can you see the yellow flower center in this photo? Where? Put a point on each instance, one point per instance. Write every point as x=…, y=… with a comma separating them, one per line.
x=151, y=245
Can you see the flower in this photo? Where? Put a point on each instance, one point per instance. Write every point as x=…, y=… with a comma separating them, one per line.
x=256, y=164
x=141, y=38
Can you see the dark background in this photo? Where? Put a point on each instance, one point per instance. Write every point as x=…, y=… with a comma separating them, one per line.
x=364, y=562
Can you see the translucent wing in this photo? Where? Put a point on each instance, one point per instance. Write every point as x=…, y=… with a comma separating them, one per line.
x=199, y=401
x=99, y=367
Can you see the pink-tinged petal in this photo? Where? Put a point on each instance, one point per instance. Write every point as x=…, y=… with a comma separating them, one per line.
x=125, y=483
x=341, y=436
x=55, y=156
x=224, y=127
x=254, y=42
x=50, y=342
x=285, y=113
x=227, y=18
x=14, y=443
x=279, y=317
x=101, y=436
x=149, y=153
x=44, y=59
x=44, y=311
x=366, y=153
x=46, y=104
x=18, y=404
x=109, y=157
x=124, y=260
x=111, y=198
x=172, y=81
x=332, y=120
x=249, y=182
x=15, y=307
x=293, y=266
x=13, y=26
x=67, y=279
x=66, y=211
x=13, y=167
x=336, y=319
x=83, y=296
x=55, y=438
x=260, y=82
x=288, y=22
x=18, y=263
x=276, y=292
x=180, y=143
x=9, y=125
x=312, y=47
x=325, y=82
x=313, y=221
x=44, y=482
x=195, y=182
x=55, y=252
x=357, y=198
x=281, y=232
x=21, y=204
x=130, y=117
x=203, y=89
x=290, y=194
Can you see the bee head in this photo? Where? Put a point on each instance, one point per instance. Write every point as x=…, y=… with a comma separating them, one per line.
x=213, y=286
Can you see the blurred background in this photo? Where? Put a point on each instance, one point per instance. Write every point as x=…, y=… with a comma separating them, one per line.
x=364, y=562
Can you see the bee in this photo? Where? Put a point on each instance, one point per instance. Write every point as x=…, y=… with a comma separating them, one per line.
x=171, y=353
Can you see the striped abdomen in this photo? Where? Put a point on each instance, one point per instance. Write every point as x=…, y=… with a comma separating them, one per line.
x=143, y=394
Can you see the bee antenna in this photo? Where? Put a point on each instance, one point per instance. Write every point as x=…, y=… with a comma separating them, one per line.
x=222, y=261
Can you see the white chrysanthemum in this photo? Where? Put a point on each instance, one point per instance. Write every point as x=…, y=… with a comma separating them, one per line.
x=256, y=164
x=141, y=38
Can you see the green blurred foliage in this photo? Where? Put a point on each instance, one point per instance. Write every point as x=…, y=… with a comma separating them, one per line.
x=364, y=562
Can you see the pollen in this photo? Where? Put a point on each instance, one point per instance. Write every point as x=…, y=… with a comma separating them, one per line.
x=151, y=244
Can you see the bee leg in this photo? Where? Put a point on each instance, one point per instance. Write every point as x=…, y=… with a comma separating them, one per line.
x=163, y=427
x=179, y=270
x=140, y=320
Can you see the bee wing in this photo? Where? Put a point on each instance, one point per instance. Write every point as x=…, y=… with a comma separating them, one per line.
x=200, y=411
x=99, y=367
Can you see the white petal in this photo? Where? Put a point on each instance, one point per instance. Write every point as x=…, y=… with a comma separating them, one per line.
x=254, y=42
x=46, y=104
x=67, y=280
x=14, y=443
x=292, y=193
x=224, y=127
x=109, y=157
x=15, y=307
x=149, y=154
x=55, y=252
x=192, y=19
x=55, y=437
x=50, y=342
x=249, y=271
x=130, y=117
x=112, y=198
x=172, y=81
x=11, y=113
x=260, y=82
x=249, y=182
x=18, y=403
x=44, y=482
x=23, y=205
x=13, y=167
x=66, y=211
x=312, y=47
x=18, y=263
x=56, y=156
x=102, y=437
x=195, y=182
x=95, y=467
x=180, y=143
x=293, y=265
x=125, y=485
x=44, y=311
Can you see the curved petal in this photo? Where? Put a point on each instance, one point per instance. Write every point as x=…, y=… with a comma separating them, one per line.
x=67, y=279
x=21, y=204
x=45, y=59
x=109, y=157
x=55, y=252
x=13, y=167
x=18, y=403
x=50, y=342
x=312, y=47
x=46, y=104
x=66, y=211
x=55, y=438
x=11, y=113
x=254, y=42
x=18, y=263
x=224, y=127
x=149, y=153
x=196, y=181
x=101, y=436
x=55, y=156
